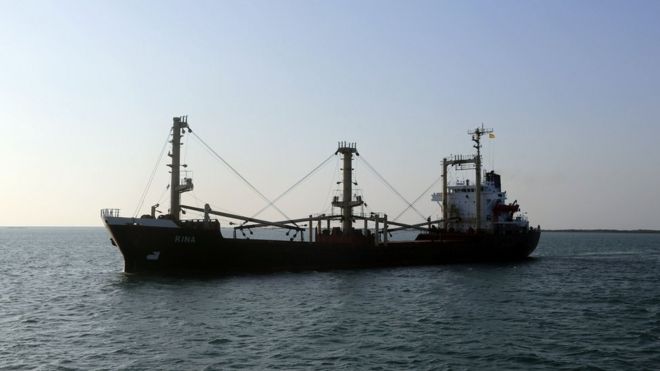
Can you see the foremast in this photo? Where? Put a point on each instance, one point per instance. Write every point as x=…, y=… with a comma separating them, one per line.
x=179, y=125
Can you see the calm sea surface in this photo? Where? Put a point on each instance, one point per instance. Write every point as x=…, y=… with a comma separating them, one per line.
x=586, y=300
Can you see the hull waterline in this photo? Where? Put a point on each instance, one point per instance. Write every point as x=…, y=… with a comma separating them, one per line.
x=165, y=249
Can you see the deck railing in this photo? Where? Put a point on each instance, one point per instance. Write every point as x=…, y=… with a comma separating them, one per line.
x=109, y=212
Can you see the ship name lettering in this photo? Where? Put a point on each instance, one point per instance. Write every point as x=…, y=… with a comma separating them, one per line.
x=184, y=239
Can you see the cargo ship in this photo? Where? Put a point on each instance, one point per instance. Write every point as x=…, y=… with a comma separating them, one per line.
x=477, y=225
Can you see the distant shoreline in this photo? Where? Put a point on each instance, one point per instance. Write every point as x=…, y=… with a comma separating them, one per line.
x=604, y=230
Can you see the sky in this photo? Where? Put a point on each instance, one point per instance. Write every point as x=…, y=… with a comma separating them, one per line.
x=88, y=90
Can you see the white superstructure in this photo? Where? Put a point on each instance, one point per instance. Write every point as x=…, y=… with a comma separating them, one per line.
x=496, y=213
x=480, y=206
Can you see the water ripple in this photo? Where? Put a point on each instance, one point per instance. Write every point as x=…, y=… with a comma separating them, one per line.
x=585, y=301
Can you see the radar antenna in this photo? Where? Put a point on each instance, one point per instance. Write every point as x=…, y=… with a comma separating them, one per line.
x=476, y=138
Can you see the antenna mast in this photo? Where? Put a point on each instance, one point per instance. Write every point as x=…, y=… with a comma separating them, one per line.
x=476, y=138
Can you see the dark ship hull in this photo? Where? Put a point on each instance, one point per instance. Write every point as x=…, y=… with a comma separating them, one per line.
x=195, y=249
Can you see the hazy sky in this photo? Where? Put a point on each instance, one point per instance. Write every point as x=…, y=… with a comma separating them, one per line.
x=88, y=90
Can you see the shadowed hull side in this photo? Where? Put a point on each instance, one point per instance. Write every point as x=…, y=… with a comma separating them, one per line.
x=155, y=249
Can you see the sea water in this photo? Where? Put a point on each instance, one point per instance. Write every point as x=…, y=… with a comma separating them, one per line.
x=585, y=300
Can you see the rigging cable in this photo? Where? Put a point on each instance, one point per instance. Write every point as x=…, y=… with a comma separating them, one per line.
x=238, y=174
x=391, y=187
x=163, y=194
x=417, y=199
x=272, y=203
x=151, y=178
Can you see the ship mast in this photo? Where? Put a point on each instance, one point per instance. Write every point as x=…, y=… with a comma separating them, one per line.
x=176, y=187
x=476, y=138
x=347, y=204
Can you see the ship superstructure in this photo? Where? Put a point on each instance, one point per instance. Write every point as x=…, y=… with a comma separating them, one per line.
x=497, y=215
x=460, y=209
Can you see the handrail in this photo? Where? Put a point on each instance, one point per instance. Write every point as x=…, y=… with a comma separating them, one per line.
x=109, y=212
